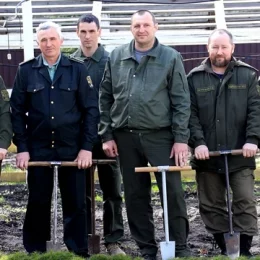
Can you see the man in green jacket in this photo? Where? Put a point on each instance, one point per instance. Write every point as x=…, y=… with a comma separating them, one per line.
x=145, y=109
x=6, y=131
x=94, y=57
x=225, y=109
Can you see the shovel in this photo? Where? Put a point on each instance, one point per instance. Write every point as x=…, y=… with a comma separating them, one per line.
x=53, y=245
x=232, y=239
x=167, y=247
x=93, y=239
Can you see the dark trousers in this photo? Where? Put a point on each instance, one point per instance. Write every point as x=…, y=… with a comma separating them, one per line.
x=136, y=149
x=213, y=206
x=36, y=229
x=110, y=182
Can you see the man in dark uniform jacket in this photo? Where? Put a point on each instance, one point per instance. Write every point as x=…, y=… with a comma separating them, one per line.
x=6, y=132
x=55, y=116
x=94, y=57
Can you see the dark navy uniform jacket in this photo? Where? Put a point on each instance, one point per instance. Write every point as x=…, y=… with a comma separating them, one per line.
x=61, y=114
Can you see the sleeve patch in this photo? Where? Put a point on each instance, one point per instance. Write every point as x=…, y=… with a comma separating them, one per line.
x=5, y=95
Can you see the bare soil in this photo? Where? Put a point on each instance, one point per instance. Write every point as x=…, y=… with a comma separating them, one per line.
x=13, y=200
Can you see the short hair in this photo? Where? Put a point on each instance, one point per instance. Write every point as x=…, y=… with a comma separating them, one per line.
x=142, y=12
x=88, y=18
x=222, y=31
x=47, y=25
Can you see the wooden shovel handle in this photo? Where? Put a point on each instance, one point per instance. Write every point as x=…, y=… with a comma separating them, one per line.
x=69, y=164
x=232, y=152
x=157, y=169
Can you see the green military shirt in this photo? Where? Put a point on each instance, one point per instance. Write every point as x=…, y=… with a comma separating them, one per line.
x=6, y=132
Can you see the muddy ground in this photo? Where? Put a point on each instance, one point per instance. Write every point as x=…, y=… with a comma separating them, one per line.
x=13, y=199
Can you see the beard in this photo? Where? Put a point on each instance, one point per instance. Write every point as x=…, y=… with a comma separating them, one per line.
x=220, y=63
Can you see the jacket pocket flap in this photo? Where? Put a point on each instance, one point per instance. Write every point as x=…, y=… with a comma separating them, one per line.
x=34, y=88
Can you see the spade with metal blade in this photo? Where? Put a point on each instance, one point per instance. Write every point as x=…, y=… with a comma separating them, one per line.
x=93, y=238
x=54, y=245
x=167, y=247
x=232, y=239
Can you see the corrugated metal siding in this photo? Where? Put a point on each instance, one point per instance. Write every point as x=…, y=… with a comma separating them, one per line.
x=8, y=67
x=192, y=56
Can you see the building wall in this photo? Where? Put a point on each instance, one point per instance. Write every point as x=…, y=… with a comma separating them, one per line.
x=192, y=56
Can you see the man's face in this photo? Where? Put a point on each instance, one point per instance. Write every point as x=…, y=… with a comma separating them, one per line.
x=49, y=42
x=220, y=50
x=88, y=34
x=143, y=28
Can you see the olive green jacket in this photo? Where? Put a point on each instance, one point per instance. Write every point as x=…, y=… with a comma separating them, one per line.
x=147, y=96
x=6, y=132
x=225, y=113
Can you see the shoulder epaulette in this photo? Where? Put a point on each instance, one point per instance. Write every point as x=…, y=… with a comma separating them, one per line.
x=75, y=59
x=241, y=63
x=24, y=62
x=196, y=69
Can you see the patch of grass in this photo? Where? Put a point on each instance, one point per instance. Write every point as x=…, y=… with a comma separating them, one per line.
x=2, y=200
x=12, y=148
x=155, y=188
x=10, y=168
x=70, y=256
x=62, y=255
x=98, y=198
x=189, y=187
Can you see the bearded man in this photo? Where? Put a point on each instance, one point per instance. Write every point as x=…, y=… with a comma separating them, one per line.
x=225, y=109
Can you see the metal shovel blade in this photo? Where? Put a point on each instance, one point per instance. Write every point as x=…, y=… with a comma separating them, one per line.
x=52, y=246
x=94, y=244
x=232, y=241
x=167, y=250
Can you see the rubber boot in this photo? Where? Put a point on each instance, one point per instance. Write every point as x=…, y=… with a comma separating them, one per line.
x=219, y=238
x=245, y=245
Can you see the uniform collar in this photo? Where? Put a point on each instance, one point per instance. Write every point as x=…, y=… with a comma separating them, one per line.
x=44, y=61
x=98, y=54
x=129, y=52
x=38, y=62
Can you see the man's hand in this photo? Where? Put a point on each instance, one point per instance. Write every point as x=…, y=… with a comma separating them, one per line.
x=22, y=160
x=84, y=159
x=201, y=152
x=3, y=153
x=249, y=150
x=180, y=151
x=110, y=148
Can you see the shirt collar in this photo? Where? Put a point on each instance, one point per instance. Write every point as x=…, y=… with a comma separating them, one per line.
x=47, y=64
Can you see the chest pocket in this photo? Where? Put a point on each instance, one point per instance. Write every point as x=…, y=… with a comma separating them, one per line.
x=205, y=94
x=206, y=103
x=35, y=88
x=68, y=87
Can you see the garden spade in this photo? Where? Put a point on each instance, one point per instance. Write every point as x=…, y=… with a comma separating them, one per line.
x=167, y=247
x=232, y=239
x=93, y=239
x=53, y=245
